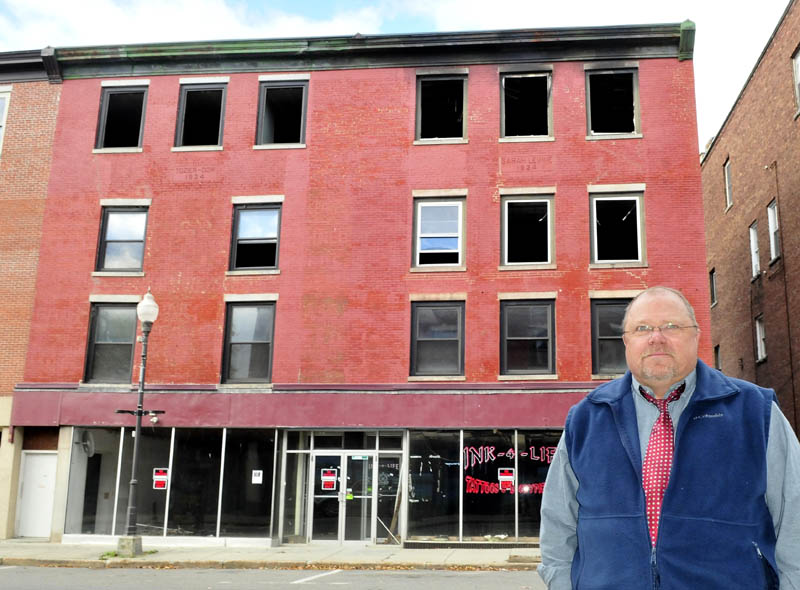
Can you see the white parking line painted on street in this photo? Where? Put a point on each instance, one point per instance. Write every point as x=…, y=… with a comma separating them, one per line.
x=304, y=580
x=7, y=567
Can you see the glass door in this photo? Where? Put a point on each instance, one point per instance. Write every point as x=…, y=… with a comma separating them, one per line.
x=328, y=478
x=343, y=499
x=358, y=498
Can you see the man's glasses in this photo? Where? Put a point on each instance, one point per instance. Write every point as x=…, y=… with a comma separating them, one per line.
x=668, y=329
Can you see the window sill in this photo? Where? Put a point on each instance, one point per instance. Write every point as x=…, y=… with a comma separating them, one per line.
x=441, y=141
x=761, y=361
x=631, y=264
x=754, y=278
x=614, y=136
x=714, y=304
x=607, y=377
x=526, y=138
x=528, y=377
x=797, y=114
x=437, y=378
x=728, y=208
x=117, y=273
x=438, y=269
x=531, y=266
x=774, y=260
x=243, y=273
x=244, y=387
x=119, y=150
x=106, y=387
x=197, y=148
x=279, y=146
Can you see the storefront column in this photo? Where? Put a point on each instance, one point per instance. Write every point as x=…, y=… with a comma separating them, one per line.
x=62, y=484
x=9, y=469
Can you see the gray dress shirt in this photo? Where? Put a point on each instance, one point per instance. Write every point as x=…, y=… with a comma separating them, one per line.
x=560, y=506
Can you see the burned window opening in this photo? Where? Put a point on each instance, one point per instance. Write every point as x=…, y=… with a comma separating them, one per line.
x=282, y=114
x=612, y=102
x=201, y=122
x=527, y=227
x=121, y=119
x=441, y=106
x=525, y=101
x=616, y=230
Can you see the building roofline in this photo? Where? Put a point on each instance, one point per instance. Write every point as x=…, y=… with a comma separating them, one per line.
x=713, y=140
x=29, y=66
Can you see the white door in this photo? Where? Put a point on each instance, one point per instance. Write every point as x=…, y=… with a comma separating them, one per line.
x=36, y=493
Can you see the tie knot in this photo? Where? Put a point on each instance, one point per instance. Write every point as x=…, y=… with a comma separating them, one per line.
x=661, y=404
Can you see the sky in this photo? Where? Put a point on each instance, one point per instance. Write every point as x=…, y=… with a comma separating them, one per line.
x=730, y=36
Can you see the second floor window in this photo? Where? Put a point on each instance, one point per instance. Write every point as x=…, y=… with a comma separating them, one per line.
x=121, y=117
x=608, y=349
x=122, y=239
x=527, y=337
x=111, y=339
x=437, y=338
x=616, y=229
x=255, y=242
x=526, y=231
x=439, y=233
x=200, y=115
x=248, y=343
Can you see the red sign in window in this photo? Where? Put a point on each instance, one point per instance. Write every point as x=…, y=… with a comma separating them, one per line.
x=160, y=478
x=328, y=478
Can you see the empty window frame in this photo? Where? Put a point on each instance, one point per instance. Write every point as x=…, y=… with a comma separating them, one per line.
x=122, y=235
x=437, y=338
x=527, y=230
x=441, y=105
x=525, y=105
x=527, y=331
x=616, y=229
x=201, y=111
x=608, y=349
x=121, y=121
x=282, y=112
x=613, y=99
x=256, y=231
x=774, y=231
x=755, y=263
x=761, y=339
x=248, y=343
x=717, y=360
x=726, y=173
x=5, y=97
x=439, y=238
x=712, y=285
x=111, y=339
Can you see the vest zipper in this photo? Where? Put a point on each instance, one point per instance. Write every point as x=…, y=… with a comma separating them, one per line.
x=654, y=569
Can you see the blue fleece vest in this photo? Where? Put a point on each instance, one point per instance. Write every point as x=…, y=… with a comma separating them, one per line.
x=715, y=530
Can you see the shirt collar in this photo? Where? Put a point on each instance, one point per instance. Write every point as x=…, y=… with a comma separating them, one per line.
x=690, y=380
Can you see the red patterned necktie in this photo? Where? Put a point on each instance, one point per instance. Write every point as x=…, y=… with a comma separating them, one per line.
x=658, y=459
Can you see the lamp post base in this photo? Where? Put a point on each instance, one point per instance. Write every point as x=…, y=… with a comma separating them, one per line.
x=129, y=546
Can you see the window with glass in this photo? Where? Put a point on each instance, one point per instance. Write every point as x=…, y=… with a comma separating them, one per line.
x=527, y=230
x=613, y=102
x=438, y=239
x=201, y=110
x=616, y=229
x=282, y=112
x=712, y=284
x=726, y=173
x=608, y=349
x=774, y=231
x=527, y=337
x=525, y=105
x=437, y=338
x=248, y=342
x=5, y=97
x=122, y=235
x=111, y=340
x=441, y=102
x=256, y=231
x=433, y=485
x=761, y=339
x=717, y=359
x=121, y=122
x=755, y=262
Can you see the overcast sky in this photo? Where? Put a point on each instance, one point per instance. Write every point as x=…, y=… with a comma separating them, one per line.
x=730, y=36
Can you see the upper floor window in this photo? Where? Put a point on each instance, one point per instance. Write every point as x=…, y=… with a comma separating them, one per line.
x=122, y=235
x=761, y=339
x=527, y=230
x=774, y=233
x=616, y=222
x=608, y=349
x=201, y=110
x=111, y=338
x=726, y=172
x=5, y=97
x=437, y=338
x=525, y=105
x=256, y=230
x=796, y=69
x=755, y=263
x=439, y=238
x=717, y=359
x=441, y=107
x=612, y=96
x=282, y=112
x=527, y=337
x=248, y=342
x=712, y=285
x=121, y=122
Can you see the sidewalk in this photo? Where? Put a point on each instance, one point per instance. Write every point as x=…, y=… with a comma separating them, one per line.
x=40, y=552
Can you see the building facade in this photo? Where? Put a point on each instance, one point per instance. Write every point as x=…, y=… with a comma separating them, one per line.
x=386, y=266
x=28, y=108
x=751, y=188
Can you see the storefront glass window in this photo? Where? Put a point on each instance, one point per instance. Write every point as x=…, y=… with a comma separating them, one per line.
x=295, y=503
x=433, y=486
x=489, y=485
x=194, y=495
x=536, y=450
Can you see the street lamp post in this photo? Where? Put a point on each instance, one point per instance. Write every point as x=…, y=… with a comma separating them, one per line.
x=131, y=543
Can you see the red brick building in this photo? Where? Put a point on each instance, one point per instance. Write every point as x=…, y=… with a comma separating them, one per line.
x=386, y=267
x=751, y=187
x=28, y=109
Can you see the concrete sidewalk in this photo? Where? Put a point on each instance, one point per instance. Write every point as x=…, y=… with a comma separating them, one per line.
x=40, y=552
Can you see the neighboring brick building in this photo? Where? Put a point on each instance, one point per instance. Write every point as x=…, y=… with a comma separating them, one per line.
x=751, y=193
x=28, y=108
x=434, y=231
